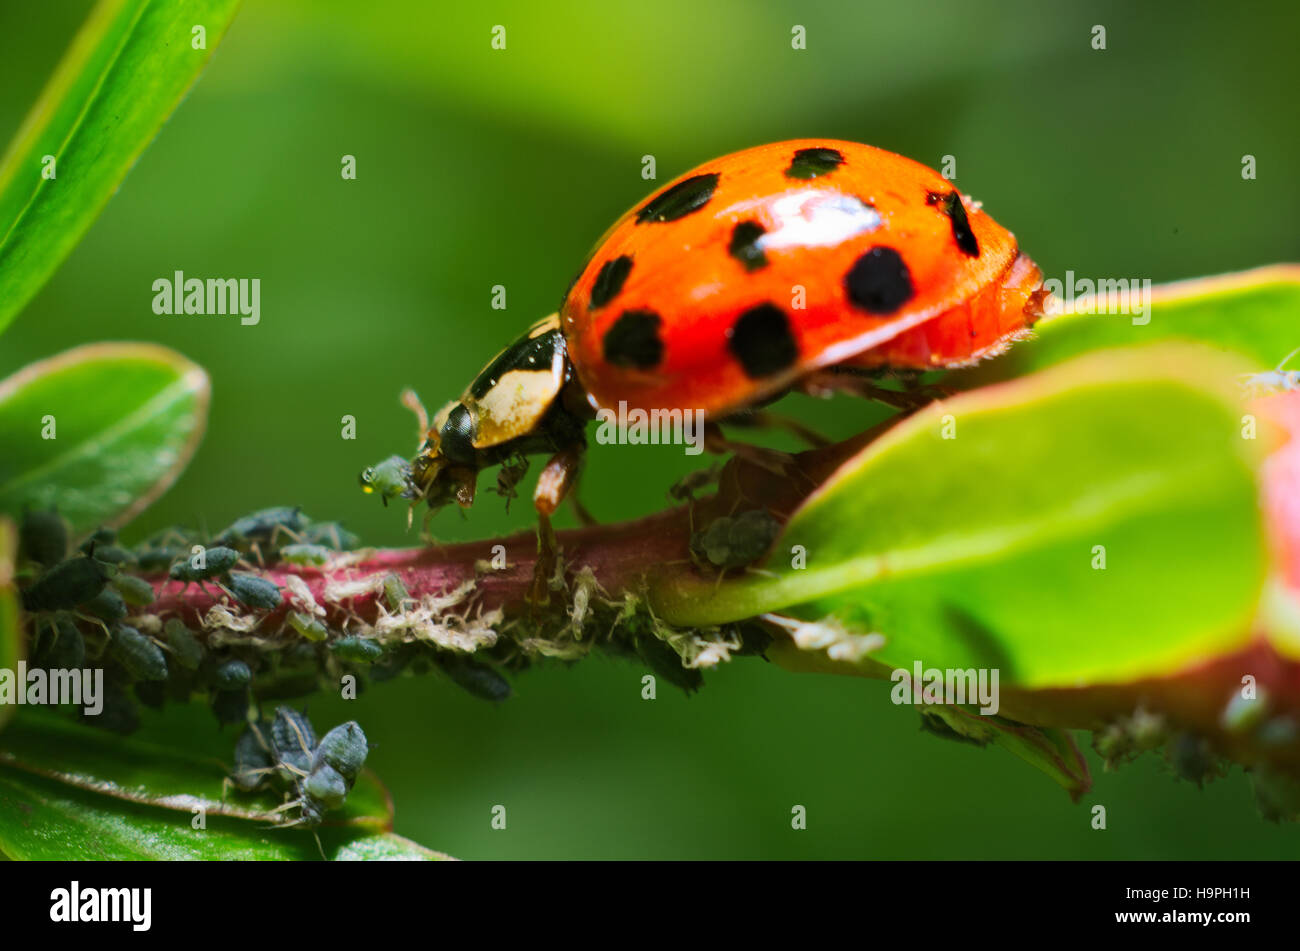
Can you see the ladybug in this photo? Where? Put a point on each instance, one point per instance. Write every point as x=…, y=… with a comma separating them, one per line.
x=812, y=264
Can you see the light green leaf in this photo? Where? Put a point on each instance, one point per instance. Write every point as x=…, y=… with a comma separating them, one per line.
x=73, y=823
x=982, y=550
x=107, y=796
x=126, y=418
x=1252, y=313
x=10, y=643
x=121, y=78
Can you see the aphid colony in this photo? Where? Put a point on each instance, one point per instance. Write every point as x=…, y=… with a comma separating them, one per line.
x=284, y=754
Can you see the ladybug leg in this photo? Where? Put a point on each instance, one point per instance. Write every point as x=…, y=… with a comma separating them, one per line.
x=825, y=382
x=553, y=485
x=772, y=460
x=766, y=419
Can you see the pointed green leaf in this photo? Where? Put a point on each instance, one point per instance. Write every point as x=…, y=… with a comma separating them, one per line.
x=124, y=420
x=120, y=79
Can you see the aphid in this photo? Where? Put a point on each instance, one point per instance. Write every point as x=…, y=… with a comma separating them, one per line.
x=664, y=662
x=307, y=626
x=185, y=646
x=253, y=591
x=325, y=788
x=735, y=541
x=139, y=656
x=230, y=706
x=111, y=554
x=117, y=713
x=476, y=678
x=265, y=525
x=108, y=606
x=204, y=564
x=345, y=749
x=253, y=763
x=135, y=591
x=43, y=537
x=358, y=650
x=387, y=479
x=63, y=649
x=231, y=675
x=66, y=585
x=293, y=743
x=331, y=534
x=305, y=554
x=396, y=595
x=1275, y=379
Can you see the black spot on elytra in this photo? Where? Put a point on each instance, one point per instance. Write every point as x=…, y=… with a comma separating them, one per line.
x=952, y=206
x=879, y=281
x=762, y=341
x=744, y=245
x=610, y=280
x=633, y=340
x=679, y=200
x=810, y=163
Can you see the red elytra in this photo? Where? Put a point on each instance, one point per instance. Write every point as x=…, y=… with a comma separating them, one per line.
x=755, y=269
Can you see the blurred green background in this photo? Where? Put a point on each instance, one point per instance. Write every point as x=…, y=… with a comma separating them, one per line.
x=479, y=167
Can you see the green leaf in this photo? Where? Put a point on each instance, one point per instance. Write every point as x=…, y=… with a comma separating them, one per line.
x=1252, y=313
x=979, y=550
x=41, y=819
x=126, y=420
x=10, y=645
x=106, y=796
x=124, y=73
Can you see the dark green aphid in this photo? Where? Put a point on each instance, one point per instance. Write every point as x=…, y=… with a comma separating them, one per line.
x=253, y=591
x=252, y=760
x=66, y=585
x=734, y=542
x=139, y=655
x=475, y=677
x=293, y=741
x=156, y=559
x=389, y=479
x=332, y=534
x=665, y=663
x=325, y=787
x=230, y=706
x=754, y=639
x=118, y=714
x=63, y=648
x=43, y=537
x=358, y=650
x=108, y=606
x=304, y=554
x=205, y=564
x=100, y=536
x=263, y=525
x=307, y=626
x=344, y=748
x=108, y=553
x=185, y=646
x=232, y=675
x=1192, y=759
x=134, y=590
